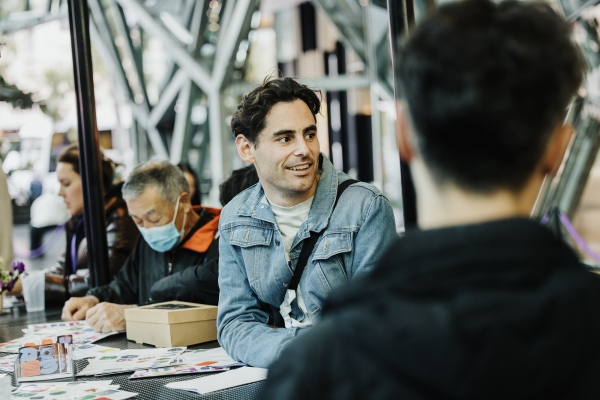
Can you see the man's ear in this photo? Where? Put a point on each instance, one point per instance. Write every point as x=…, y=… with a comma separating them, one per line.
x=245, y=149
x=556, y=148
x=185, y=202
x=404, y=134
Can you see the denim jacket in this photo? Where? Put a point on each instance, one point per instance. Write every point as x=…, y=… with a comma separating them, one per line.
x=254, y=274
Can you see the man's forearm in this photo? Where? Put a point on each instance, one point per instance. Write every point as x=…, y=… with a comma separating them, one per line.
x=254, y=343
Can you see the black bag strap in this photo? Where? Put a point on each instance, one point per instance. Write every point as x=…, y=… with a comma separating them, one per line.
x=309, y=243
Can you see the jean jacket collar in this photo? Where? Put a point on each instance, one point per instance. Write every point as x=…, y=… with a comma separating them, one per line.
x=320, y=211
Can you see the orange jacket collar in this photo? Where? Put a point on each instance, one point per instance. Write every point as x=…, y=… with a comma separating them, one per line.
x=201, y=239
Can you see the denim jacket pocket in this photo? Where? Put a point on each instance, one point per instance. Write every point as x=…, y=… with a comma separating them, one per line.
x=247, y=236
x=253, y=245
x=329, y=260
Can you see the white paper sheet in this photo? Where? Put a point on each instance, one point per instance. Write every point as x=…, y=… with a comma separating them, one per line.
x=82, y=334
x=217, y=357
x=225, y=380
x=131, y=360
x=89, y=350
x=7, y=363
x=72, y=390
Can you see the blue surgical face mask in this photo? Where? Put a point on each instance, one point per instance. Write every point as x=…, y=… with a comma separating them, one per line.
x=163, y=238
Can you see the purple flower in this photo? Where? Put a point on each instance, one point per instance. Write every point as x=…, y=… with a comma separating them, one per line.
x=18, y=266
x=1, y=286
x=10, y=286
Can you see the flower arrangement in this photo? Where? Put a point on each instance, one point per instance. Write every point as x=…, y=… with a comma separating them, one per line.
x=9, y=278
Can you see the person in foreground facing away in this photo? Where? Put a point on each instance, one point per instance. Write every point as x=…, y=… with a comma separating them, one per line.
x=264, y=228
x=179, y=246
x=481, y=303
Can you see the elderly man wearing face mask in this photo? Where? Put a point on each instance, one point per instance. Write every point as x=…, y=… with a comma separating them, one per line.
x=179, y=240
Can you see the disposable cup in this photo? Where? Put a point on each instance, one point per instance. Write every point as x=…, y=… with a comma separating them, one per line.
x=33, y=290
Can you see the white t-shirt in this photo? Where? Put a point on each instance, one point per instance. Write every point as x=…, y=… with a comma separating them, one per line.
x=289, y=220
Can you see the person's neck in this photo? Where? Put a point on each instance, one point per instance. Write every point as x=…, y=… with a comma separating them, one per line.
x=449, y=205
x=190, y=222
x=283, y=199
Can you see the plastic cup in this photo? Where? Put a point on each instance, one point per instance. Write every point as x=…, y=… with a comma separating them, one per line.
x=33, y=291
x=5, y=382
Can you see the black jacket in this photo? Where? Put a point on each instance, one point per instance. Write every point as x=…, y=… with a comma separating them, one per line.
x=189, y=272
x=499, y=310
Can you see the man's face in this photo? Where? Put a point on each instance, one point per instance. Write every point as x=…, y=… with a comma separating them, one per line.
x=149, y=209
x=286, y=155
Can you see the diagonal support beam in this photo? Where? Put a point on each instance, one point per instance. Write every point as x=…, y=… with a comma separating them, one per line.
x=140, y=114
x=195, y=71
x=167, y=96
x=230, y=37
x=14, y=25
x=183, y=127
x=123, y=30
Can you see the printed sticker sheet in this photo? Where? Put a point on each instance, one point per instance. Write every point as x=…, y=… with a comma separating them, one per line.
x=193, y=362
x=82, y=334
x=131, y=360
x=97, y=390
x=7, y=363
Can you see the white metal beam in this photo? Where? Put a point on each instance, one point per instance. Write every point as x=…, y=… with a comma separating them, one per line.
x=185, y=61
x=138, y=112
x=219, y=165
x=375, y=114
x=10, y=25
x=167, y=96
x=182, y=121
x=230, y=38
x=327, y=84
x=123, y=30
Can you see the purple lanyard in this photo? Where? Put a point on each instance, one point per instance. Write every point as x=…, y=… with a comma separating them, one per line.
x=74, y=245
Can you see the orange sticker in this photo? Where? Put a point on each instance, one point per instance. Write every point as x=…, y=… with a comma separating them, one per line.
x=30, y=368
x=205, y=363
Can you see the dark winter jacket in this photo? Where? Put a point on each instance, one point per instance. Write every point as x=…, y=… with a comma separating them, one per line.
x=189, y=272
x=499, y=310
x=121, y=236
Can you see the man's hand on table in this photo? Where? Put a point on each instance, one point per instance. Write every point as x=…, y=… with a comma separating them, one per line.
x=76, y=308
x=107, y=317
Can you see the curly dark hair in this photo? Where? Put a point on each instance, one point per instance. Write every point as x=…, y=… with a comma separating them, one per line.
x=486, y=84
x=249, y=119
x=240, y=180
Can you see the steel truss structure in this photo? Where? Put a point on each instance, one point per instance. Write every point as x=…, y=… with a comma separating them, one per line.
x=183, y=27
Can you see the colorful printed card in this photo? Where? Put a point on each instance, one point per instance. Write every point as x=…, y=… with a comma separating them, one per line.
x=131, y=360
x=12, y=346
x=80, y=332
x=88, y=350
x=98, y=390
x=7, y=363
x=193, y=362
x=209, y=357
x=178, y=370
x=44, y=362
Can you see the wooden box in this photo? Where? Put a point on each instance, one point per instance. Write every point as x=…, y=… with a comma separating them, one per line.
x=172, y=324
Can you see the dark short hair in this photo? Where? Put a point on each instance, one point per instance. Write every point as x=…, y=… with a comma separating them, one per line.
x=240, y=180
x=250, y=118
x=186, y=167
x=70, y=155
x=485, y=85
